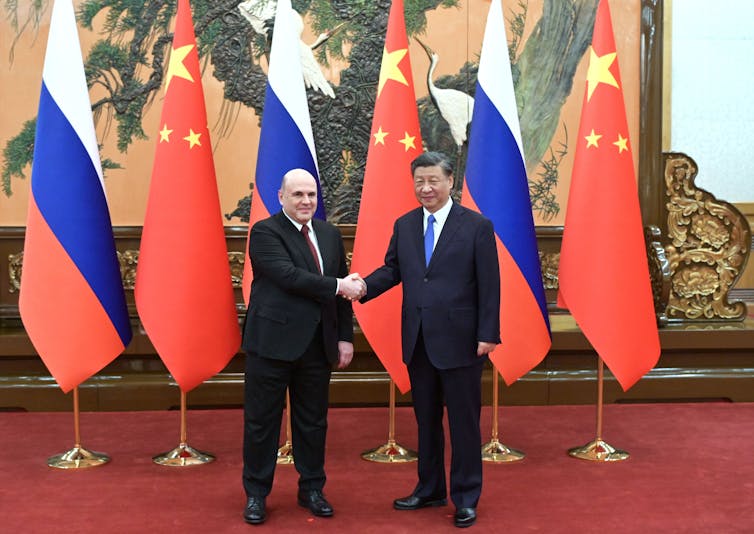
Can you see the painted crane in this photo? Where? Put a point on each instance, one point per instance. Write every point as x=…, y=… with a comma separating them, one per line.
x=455, y=107
x=261, y=16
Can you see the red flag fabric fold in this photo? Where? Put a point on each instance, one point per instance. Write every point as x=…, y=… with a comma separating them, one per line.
x=603, y=273
x=388, y=192
x=183, y=287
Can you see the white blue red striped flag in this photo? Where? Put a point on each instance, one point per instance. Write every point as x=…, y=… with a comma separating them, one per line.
x=286, y=141
x=496, y=185
x=71, y=301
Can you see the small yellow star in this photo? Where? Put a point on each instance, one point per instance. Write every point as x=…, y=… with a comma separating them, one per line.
x=408, y=141
x=621, y=143
x=192, y=138
x=176, y=66
x=379, y=137
x=165, y=134
x=599, y=71
x=389, y=68
x=591, y=139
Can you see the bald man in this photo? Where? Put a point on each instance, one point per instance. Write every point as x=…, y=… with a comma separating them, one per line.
x=298, y=325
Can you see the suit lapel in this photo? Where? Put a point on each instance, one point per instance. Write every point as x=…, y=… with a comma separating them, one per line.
x=417, y=229
x=297, y=240
x=325, y=245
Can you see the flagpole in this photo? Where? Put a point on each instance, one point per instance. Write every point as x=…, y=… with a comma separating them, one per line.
x=598, y=450
x=78, y=457
x=183, y=454
x=285, y=453
x=494, y=451
x=390, y=452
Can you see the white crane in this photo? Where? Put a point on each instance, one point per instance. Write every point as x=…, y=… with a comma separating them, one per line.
x=456, y=107
x=261, y=15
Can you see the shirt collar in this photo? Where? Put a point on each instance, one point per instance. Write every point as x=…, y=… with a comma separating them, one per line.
x=441, y=215
x=298, y=225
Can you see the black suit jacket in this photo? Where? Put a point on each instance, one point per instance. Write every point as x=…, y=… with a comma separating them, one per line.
x=289, y=298
x=456, y=299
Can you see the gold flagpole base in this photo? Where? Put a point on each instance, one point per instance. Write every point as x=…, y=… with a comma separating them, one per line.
x=285, y=453
x=390, y=452
x=77, y=458
x=183, y=455
x=598, y=451
x=496, y=452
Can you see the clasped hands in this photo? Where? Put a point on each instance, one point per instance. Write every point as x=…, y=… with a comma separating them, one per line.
x=352, y=287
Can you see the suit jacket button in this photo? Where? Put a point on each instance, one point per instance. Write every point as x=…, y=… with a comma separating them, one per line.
x=426, y=279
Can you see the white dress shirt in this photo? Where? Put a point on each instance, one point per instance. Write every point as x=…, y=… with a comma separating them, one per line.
x=441, y=216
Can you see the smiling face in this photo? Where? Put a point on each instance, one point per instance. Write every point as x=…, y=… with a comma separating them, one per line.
x=432, y=187
x=298, y=195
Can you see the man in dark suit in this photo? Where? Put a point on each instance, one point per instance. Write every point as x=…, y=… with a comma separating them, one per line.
x=296, y=329
x=445, y=256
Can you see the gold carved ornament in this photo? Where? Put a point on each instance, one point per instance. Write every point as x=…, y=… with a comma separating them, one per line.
x=709, y=243
x=128, y=260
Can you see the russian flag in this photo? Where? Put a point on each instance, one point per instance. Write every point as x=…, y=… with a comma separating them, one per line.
x=286, y=141
x=496, y=185
x=71, y=300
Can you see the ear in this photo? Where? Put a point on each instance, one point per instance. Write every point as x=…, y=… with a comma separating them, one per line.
x=280, y=196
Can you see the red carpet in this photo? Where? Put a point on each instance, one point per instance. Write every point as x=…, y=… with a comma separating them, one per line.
x=691, y=470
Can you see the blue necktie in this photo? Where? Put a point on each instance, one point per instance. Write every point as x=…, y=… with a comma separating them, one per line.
x=429, y=238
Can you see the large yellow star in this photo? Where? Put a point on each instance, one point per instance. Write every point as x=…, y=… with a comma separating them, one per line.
x=591, y=139
x=192, y=138
x=165, y=134
x=408, y=141
x=599, y=71
x=621, y=143
x=176, y=66
x=389, y=69
x=379, y=137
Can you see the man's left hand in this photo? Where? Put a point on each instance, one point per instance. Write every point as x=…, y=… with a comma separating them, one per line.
x=345, y=354
x=483, y=347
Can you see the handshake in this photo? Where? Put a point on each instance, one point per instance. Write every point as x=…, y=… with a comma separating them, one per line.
x=352, y=287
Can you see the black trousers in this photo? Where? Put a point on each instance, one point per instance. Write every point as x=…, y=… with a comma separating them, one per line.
x=266, y=380
x=460, y=390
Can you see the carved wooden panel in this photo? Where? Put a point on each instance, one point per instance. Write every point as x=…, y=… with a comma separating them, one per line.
x=709, y=243
x=15, y=264
x=659, y=272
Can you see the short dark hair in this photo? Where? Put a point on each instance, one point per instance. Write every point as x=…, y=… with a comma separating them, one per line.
x=430, y=159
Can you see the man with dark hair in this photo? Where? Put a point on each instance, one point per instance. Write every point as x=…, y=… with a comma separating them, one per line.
x=445, y=256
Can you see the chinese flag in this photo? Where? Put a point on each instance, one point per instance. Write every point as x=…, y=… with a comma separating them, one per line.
x=183, y=287
x=388, y=192
x=604, y=278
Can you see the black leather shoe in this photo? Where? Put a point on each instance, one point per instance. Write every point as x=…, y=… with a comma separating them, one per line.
x=254, y=512
x=315, y=501
x=413, y=502
x=465, y=517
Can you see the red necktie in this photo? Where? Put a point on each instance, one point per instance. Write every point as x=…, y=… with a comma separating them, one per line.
x=305, y=231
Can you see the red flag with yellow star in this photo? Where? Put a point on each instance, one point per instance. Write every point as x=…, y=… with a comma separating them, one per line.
x=388, y=192
x=183, y=287
x=603, y=274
